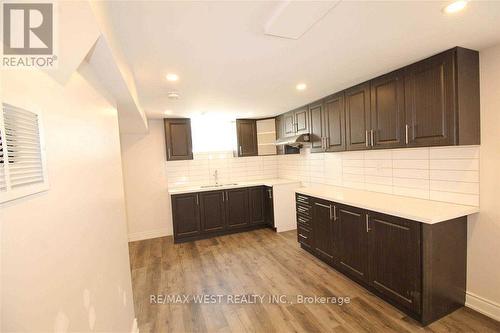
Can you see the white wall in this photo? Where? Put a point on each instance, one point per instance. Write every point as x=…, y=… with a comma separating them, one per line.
x=483, y=273
x=145, y=178
x=64, y=254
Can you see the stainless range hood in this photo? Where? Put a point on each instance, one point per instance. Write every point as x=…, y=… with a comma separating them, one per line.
x=294, y=141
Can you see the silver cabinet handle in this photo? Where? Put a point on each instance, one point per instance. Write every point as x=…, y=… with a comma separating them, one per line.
x=168, y=152
x=197, y=200
x=367, y=217
x=241, y=153
x=406, y=133
x=366, y=138
x=332, y=218
x=227, y=196
x=371, y=137
x=327, y=139
x=270, y=193
x=335, y=213
x=223, y=199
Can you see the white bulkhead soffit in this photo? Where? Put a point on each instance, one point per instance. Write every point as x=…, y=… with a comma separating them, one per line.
x=292, y=19
x=22, y=154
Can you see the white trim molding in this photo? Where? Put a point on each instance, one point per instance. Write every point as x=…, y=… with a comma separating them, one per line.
x=482, y=305
x=142, y=235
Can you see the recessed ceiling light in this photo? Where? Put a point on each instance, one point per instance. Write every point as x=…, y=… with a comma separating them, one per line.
x=173, y=95
x=301, y=86
x=455, y=7
x=172, y=77
x=168, y=112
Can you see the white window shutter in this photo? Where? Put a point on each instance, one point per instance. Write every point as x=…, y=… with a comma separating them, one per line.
x=23, y=170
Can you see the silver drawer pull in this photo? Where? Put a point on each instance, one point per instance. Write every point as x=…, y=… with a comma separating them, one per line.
x=303, y=236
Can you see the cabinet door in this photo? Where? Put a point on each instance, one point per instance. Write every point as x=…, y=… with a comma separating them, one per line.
x=212, y=212
x=280, y=133
x=334, y=120
x=178, y=139
x=237, y=210
x=301, y=121
x=351, y=238
x=387, y=111
x=247, y=137
x=396, y=268
x=257, y=214
x=289, y=123
x=430, y=101
x=322, y=219
x=316, y=127
x=269, y=206
x=357, y=111
x=186, y=216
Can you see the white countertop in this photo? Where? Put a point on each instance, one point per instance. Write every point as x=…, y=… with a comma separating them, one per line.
x=425, y=211
x=263, y=182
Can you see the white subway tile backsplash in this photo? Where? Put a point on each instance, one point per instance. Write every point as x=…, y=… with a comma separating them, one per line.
x=410, y=154
x=465, y=152
x=452, y=164
x=449, y=174
x=455, y=175
x=411, y=173
x=456, y=187
x=410, y=164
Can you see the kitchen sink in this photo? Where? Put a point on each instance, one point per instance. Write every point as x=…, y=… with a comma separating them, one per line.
x=218, y=185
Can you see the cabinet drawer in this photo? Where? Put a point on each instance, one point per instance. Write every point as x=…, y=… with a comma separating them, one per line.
x=302, y=199
x=304, y=236
x=304, y=210
x=303, y=221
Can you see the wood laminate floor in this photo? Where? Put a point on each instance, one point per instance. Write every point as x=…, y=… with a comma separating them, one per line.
x=263, y=263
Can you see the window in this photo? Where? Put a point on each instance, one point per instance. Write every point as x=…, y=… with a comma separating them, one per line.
x=213, y=133
x=22, y=154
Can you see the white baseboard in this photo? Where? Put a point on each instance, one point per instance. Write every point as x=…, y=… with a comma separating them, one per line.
x=136, y=236
x=482, y=305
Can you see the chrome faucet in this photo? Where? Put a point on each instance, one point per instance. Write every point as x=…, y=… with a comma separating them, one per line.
x=216, y=177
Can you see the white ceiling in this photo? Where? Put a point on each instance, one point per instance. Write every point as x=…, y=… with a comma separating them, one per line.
x=227, y=64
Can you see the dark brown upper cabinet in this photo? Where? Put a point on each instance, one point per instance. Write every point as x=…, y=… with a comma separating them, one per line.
x=296, y=122
x=301, y=121
x=434, y=102
x=358, y=119
x=289, y=123
x=442, y=99
x=317, y=128
x=246, y=130
x=178, y=139
x=430, y=102
x=334, y=121
x=387, y=111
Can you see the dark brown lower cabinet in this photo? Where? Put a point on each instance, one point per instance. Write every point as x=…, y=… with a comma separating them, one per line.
x=322, y=217
x=269, y=206
x=351, y=238
x=396, y=274
x=237, y=208
x=212, y=213
x=257, y=205
x=419, y=268
x=185, y=209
